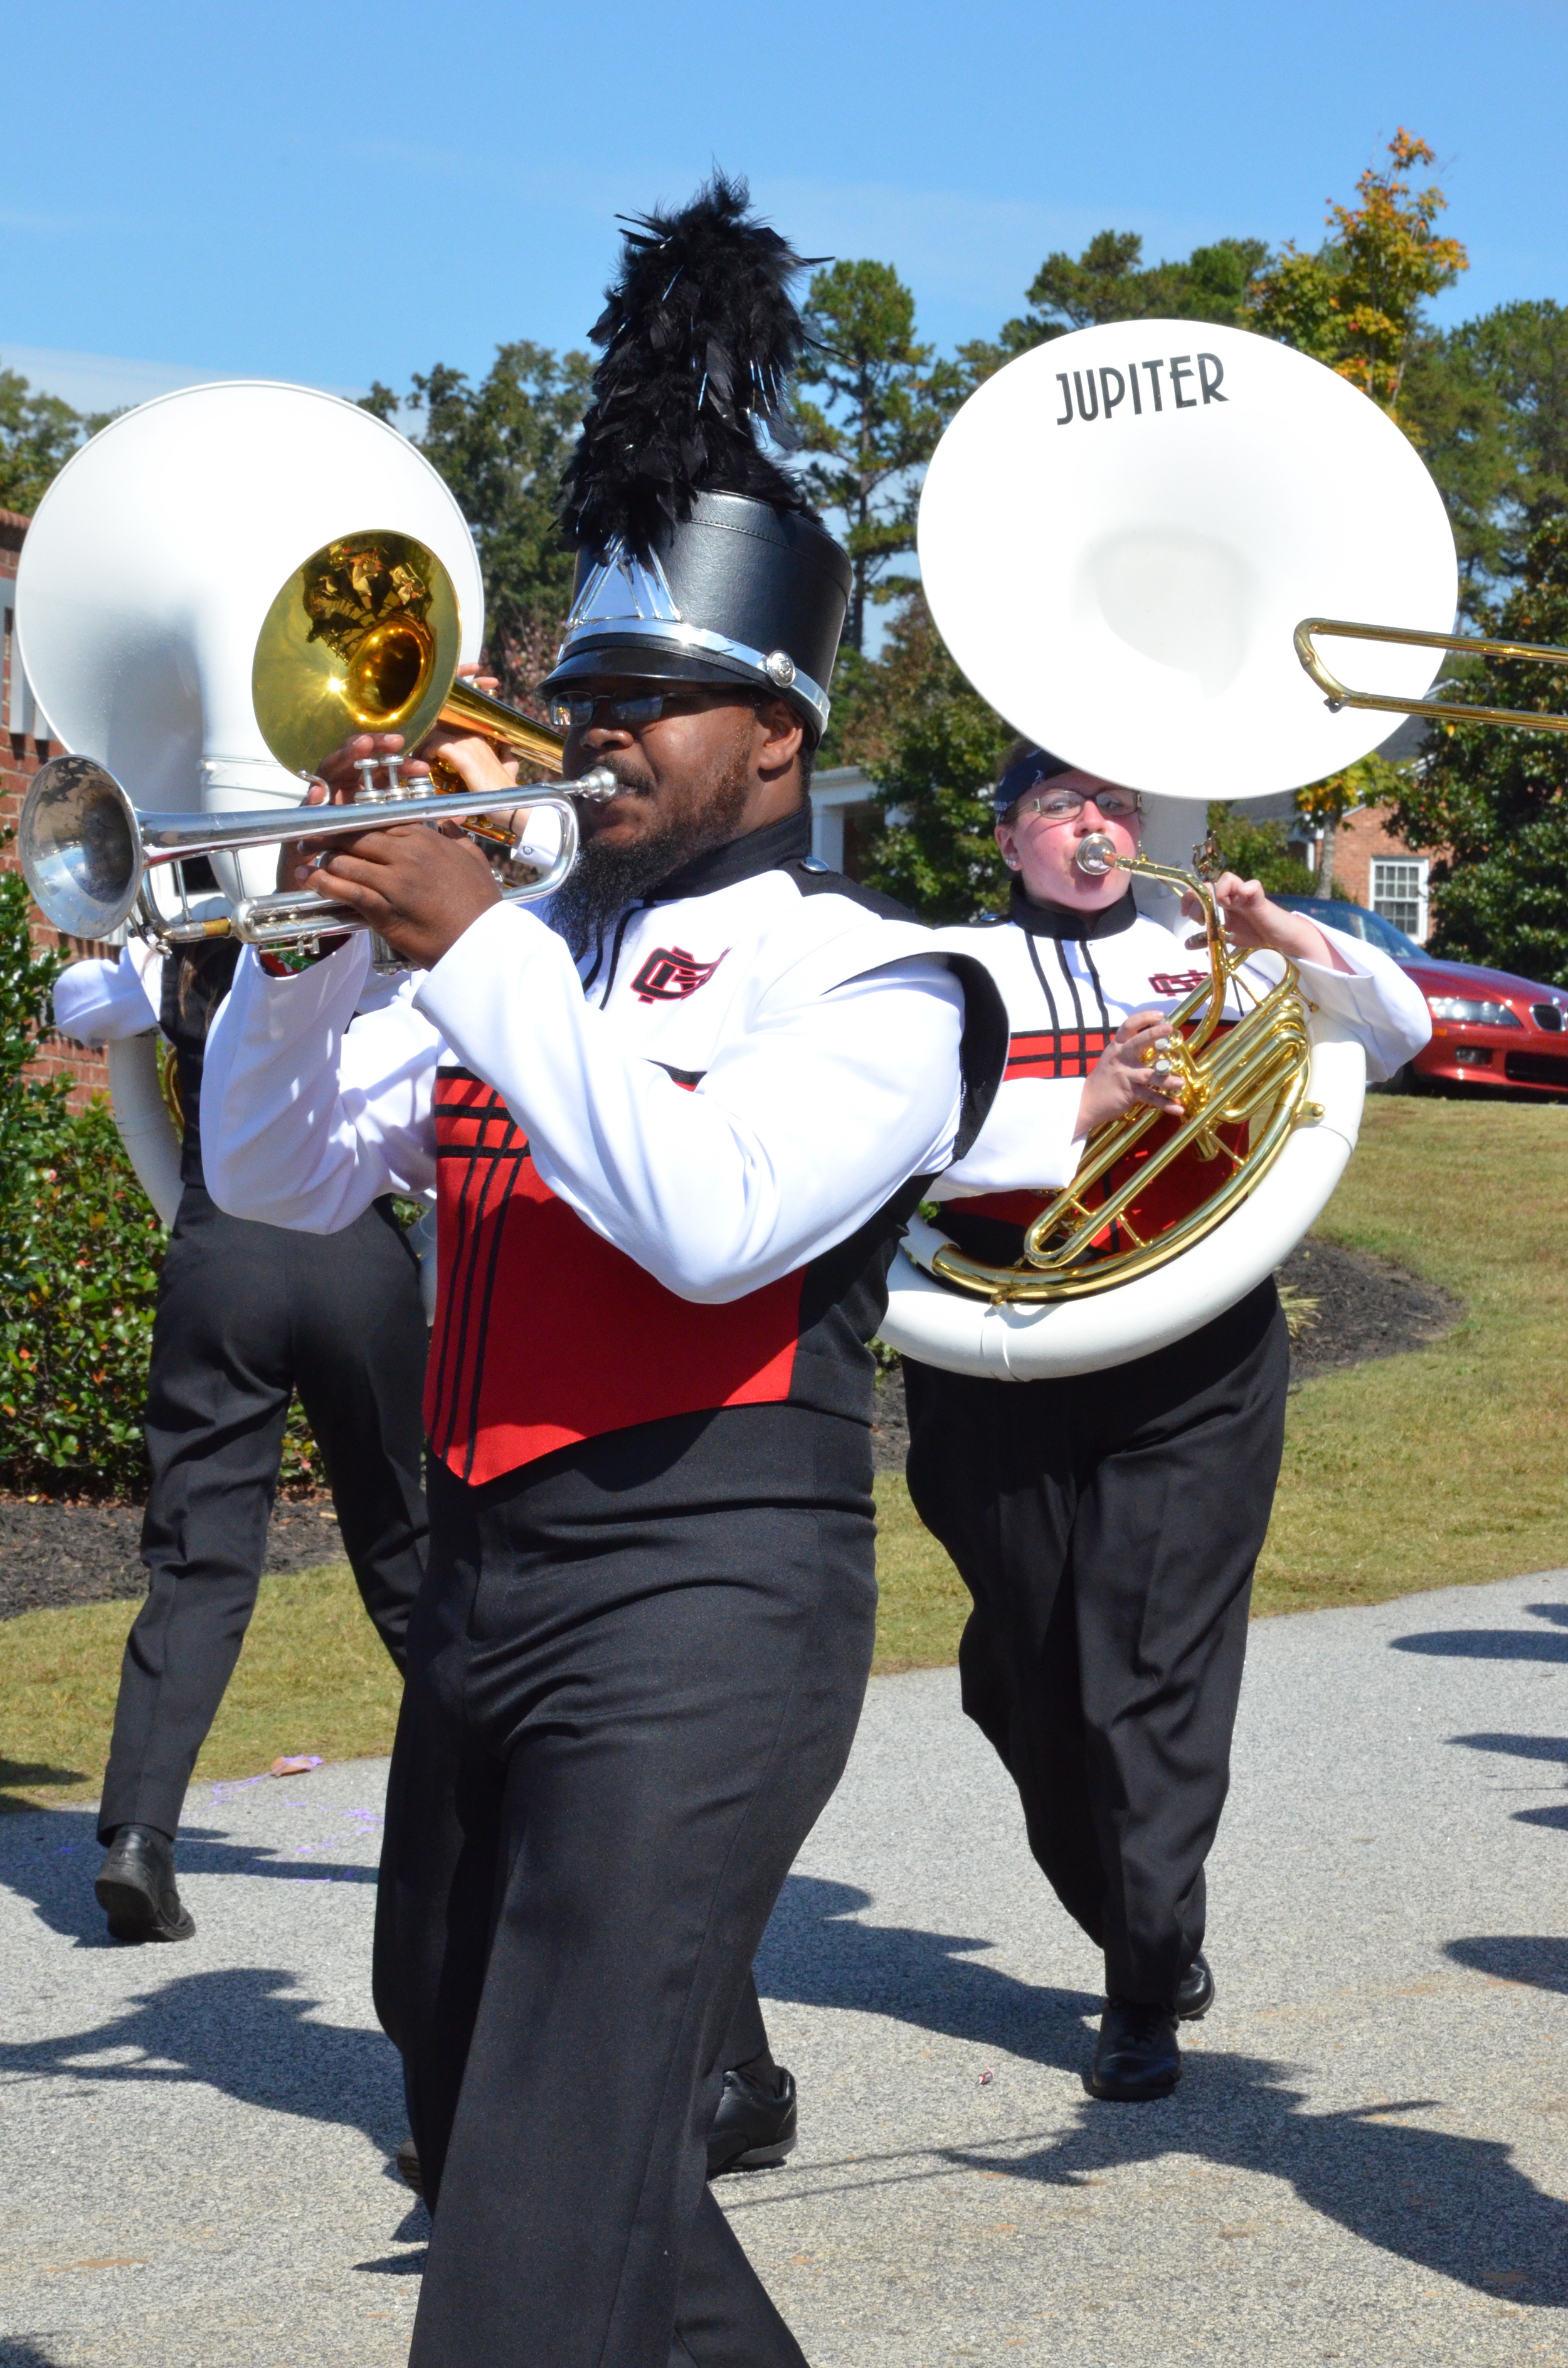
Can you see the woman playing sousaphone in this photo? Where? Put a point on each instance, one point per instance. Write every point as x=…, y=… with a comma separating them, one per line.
x=1107, y=1525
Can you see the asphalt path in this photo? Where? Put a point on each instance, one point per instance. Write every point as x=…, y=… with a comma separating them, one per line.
x=1364, y=2162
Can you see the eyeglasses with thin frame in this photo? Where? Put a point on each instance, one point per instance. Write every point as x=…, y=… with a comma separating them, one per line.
x=645, y=707
x=1067, y=805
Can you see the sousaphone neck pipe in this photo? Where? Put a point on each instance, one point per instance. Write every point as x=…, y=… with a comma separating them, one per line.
x=1406, y=637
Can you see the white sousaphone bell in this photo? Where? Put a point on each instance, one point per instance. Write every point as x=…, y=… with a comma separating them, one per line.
x=1120, y=534
x=216, y=589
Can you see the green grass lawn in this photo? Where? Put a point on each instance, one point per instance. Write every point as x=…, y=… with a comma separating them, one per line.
x=1443, y=1468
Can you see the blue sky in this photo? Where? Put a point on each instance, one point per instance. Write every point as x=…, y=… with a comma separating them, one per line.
x=336, y=192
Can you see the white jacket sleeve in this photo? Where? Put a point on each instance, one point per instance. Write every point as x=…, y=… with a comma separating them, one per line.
x=1386, y=1008
x=795, y=1135
x=1027, y=1139
x=309, y=1114
x=836, y=1094
x=98, y=1002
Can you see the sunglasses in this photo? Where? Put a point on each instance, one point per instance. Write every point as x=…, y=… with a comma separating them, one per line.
x=646, y=706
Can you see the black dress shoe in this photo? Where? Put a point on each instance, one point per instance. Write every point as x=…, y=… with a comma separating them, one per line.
x=1136, y=2056
x=1195, y=1992
x=408, y=2166
x=754, y=2125
x=136, y=1888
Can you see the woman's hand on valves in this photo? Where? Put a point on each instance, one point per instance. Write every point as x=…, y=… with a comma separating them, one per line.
x=1129, y=1073
x=419, y=888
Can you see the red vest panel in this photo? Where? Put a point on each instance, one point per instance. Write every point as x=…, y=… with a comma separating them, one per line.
x=546, y=1334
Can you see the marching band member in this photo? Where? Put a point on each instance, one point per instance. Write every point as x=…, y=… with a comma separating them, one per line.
x=1108, y=1525
x=246, y=1316
x=671, y=1173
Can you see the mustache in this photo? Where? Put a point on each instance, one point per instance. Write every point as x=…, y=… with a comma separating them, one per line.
x=631, y=781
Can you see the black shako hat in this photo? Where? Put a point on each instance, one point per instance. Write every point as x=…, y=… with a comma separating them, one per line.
x=698, y=558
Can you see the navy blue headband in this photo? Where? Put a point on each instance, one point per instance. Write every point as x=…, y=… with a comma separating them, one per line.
x=1035, y=766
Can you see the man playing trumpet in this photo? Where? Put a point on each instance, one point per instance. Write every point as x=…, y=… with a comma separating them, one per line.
x=672, y=1157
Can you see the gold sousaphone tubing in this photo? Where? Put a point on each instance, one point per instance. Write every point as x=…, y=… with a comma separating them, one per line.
x=1253, y=1075
x=364, y=637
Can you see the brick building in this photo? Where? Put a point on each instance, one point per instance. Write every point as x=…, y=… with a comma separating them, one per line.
x=25, y=747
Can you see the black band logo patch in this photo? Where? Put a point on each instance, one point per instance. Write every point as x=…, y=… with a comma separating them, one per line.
x=670, y=972
x=1098, y=394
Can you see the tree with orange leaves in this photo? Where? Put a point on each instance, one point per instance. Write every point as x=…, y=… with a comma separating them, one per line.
x=1355, y=305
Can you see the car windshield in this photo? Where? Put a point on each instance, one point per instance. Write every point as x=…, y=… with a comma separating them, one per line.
x=1355, y=921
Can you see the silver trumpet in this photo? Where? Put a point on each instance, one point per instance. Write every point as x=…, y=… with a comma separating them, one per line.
x=87, y=853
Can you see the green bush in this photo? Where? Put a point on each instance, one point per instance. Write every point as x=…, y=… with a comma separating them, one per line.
x=80, y=1249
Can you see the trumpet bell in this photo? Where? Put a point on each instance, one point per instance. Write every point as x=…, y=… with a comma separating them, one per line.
x=1121, y=529
x=365, y=636
x=80, y=846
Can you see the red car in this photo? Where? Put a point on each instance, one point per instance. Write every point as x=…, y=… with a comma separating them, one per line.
x=1488, y=1027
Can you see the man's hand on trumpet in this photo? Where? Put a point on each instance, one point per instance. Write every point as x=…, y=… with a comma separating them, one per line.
x=420, y=888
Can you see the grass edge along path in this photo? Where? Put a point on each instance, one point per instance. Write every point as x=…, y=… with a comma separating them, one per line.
x=1441, y=1468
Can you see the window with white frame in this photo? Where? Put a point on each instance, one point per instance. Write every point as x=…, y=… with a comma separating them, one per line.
x=1399, y=893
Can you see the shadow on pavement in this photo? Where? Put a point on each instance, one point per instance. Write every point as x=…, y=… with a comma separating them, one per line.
x=817, y=1952
x=1487, y=1643
x=1497, y=1644
x=1449, y=2203
x=1540, y=1960
x=245, y=2031
x=56, y=1862
x=1551, y=1747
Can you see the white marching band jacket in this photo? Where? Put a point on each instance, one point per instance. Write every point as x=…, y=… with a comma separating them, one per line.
x=669, y=1176
x=1066, y=995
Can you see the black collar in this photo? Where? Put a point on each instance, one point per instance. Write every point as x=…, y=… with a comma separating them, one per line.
x=742, y=858
x=1062, y=921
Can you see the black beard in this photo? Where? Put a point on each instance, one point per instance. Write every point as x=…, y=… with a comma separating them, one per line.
x=606, y=878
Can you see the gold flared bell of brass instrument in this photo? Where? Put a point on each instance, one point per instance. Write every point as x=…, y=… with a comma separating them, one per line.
x=365, y=637
x=1252, y=1075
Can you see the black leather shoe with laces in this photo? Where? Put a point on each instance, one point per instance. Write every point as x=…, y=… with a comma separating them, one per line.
x=136, y=1888
x=1195, y=1992
x=754, y=2125
x=1136, y=2056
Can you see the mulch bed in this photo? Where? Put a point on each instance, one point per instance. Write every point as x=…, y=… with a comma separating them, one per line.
x=58, y=1553
x=1365, y=1307
x=52, y=1554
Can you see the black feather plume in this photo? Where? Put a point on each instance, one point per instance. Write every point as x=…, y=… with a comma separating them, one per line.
x=701, y=337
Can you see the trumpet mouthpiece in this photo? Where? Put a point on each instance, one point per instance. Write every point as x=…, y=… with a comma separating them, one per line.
x=1096, y=855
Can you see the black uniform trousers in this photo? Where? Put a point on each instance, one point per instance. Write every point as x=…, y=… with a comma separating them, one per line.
x=634, y=1676
x=1106, y=1527
x=246, y=1315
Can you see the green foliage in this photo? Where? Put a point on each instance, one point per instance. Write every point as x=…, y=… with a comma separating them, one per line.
x=501, y=447
x=1356, y=303
x=38, y=435
x=942, y=752
x=1493, y=803
x=884, y=406
x=1257, y=850
x=80, y=1250
x=1488, y=402
x=1109, y=281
